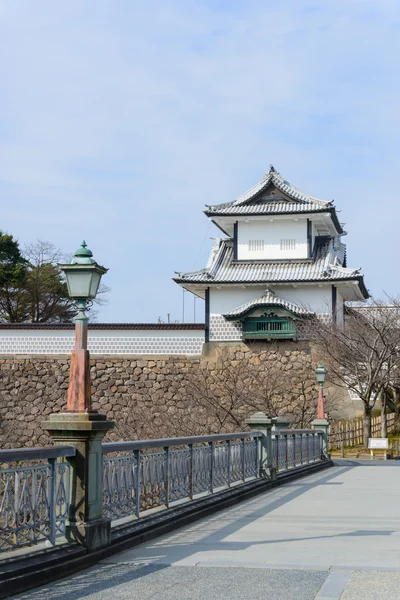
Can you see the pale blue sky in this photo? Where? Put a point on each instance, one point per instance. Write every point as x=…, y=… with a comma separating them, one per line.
x=120, y=119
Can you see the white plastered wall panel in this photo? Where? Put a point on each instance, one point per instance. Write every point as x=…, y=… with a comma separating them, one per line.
x=314, y=298
x=107, y=341
x=272, y=235
x=311, y=297
x=229, y=297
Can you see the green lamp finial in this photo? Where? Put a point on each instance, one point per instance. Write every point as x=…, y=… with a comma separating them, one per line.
x=83, y=255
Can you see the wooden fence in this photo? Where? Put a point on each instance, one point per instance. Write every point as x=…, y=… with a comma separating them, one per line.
x=351, y=432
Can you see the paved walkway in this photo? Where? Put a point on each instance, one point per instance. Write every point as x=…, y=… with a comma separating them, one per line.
x=332, y=535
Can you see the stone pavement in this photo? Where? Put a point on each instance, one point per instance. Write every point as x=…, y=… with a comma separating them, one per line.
x=335, y=534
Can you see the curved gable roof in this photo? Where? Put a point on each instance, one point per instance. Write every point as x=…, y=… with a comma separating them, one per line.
x=268, y=300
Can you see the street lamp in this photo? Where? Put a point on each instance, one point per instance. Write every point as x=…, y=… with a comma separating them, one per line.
x=321, y=373
x=83, y=277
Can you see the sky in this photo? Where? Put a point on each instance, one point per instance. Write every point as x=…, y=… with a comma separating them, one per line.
x=121, y=119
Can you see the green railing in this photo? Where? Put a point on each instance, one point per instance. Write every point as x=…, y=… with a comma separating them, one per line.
x=271, y=329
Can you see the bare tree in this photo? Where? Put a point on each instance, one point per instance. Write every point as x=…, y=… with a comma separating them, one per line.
x=226, y=389
x=363, y=354
x=44, y=289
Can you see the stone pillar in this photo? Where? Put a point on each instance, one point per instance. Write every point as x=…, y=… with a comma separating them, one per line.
x=261, y=422
x=85, y=431
x=280, y=423
x=322, y=425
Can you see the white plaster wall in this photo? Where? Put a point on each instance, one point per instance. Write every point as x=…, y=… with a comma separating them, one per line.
x=312, y=297
x=272, y=234
x=105, y=341
x=229, y=297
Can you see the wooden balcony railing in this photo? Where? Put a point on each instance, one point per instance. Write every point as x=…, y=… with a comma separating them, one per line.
x=272, y=329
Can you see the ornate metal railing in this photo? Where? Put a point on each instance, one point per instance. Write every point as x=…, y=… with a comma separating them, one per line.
x=34, y=498
x=293, y=448
x=184, y=469
x=269, y=328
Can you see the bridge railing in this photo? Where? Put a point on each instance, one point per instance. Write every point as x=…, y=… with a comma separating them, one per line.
x=293, y=448
x=181, y=469
x=41, y=489
x=34, y=496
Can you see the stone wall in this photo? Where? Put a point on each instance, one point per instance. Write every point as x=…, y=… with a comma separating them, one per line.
x=31, y=388
x=148, y=397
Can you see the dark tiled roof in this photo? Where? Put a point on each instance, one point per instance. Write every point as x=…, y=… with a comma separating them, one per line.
x=289, y=200
x=110, y=326
x=267, y=300
x=325, y=266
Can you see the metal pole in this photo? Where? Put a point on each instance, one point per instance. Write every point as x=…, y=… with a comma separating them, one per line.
x=137, y=483
x=166, y=450
x=277, y=451
x=183, y=305
x=52, y=500
x=190, y=471
x=211, y=445
x=229, y=462
x=286, y=451
x=258, y=454
x=243, y=461
x=321, y=409
x=79, y=394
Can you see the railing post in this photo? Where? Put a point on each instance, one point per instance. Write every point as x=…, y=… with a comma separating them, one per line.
x=256, y=468
x=294, y=450
x=229, y=462
x=86, y=524
x=262, y=423
x=52, y=500
x=137, y=483
x=211, y=445
x=243, y=460
x=190, y=471
x=322, y=425
x=286, y=451
x=166, y=482
x=301, y=448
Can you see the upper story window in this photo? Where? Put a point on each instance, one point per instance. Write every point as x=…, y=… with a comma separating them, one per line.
x=256, y=245
x=288, y=245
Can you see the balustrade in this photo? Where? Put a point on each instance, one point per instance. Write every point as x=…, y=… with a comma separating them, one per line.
x=138, y=476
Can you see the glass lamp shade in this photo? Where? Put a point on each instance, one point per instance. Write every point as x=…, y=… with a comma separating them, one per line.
x=320, y=373
x=83, y=274
x=83, y=280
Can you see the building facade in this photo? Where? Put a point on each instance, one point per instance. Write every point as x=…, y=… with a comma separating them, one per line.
x=281, y=263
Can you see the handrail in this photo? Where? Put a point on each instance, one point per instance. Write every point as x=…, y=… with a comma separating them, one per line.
x=17, y=454
x=296, y=431
x=178, y=441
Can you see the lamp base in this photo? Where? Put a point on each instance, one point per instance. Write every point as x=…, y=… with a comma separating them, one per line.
x=85, y=432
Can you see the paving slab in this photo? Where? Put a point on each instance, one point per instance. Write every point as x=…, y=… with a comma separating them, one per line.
x=372, y=586
x=347, y=516
x=125, y=581
x=333, y=535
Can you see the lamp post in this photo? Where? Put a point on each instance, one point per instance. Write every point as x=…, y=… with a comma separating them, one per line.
x=83, y=277
x=79, y=425
x=321, y=373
